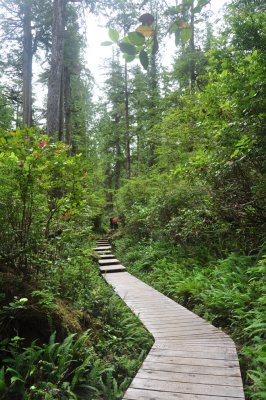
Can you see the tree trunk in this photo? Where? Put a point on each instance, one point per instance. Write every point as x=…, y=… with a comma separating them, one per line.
x=153, y=104
x=67, y=103
x=128, y=155
x=27, y=65
x=54, y=102
x=61, y=108
x=192, y=47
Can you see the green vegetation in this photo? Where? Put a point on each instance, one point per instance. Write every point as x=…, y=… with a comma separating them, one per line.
x=64, y=334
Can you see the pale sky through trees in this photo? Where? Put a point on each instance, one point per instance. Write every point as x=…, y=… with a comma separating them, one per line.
x=96, y=54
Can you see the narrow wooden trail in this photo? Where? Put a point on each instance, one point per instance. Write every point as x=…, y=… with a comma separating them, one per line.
x=190, y=358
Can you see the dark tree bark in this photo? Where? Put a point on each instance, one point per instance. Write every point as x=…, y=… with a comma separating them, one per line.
x=54, y=102
x=27, y=64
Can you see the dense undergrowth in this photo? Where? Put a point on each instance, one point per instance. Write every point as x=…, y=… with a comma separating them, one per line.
x=229, y=292
x=63, y=332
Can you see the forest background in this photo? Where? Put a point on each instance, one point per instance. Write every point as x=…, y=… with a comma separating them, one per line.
x=177, y=153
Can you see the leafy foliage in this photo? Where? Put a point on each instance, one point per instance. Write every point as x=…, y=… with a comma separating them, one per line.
x=64, y=334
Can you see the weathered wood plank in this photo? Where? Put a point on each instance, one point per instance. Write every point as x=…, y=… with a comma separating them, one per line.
x=192, y=369
x=191, y=341
x=222, y=354
x=108, y=261
x=191, y=346
x=191, y=388
x=99, y=248
x=112, y=268
x=208, y=362
x=181, y=377
x=139, y=394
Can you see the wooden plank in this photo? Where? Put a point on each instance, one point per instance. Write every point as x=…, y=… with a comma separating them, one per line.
x=104, y=256
x=181, y=325
x=191, y=369
x=191, y=388
x=188, y=341
x=185, y=334
x=190, y=346
x=222, y=354
x=112, y=268
x=208, y=362
x=100, y=248
x=170, y=376
x=108, y=262
x=182, y=330
x=140, y=394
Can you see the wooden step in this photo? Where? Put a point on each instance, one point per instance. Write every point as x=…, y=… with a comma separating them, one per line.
x=112, y=268
x=106, y=256
x=108, y=261
x=100, y=248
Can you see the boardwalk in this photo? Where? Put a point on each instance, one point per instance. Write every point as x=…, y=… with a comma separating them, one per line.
x=190, y=358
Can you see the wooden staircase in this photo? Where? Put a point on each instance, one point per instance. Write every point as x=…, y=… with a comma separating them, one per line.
x=107, y=261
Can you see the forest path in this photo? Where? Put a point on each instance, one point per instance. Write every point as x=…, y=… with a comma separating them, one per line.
x=190, y=358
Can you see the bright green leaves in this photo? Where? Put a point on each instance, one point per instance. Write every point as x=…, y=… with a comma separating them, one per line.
x=136, y=38
x=186, y=34
x=107, y=43
x=113, y=34
x=138, y=44
x=200, y=5
x=182, y=31
x=128, y=57
x=181, y=26
x=134, y=45
x=127, y=48
x=243, y=147
x=144, y=59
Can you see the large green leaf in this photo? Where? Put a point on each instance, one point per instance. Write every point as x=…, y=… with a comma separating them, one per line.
x=127, y=48
x=144, y=59
x=106, y=43
x=188, y=2
x=186, y=34
x=200, y=5
x=173, y=27
x=129, y=57
x=136, y=38
x=113, y=34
